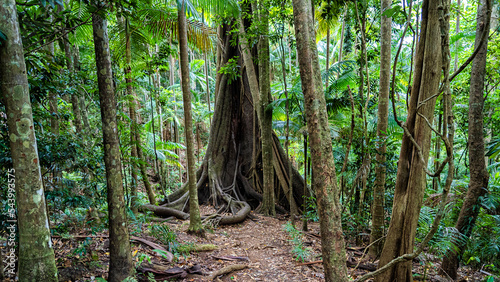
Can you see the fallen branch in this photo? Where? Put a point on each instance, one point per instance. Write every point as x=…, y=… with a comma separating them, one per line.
x=309, y=263
x=199, y=248
x=227, y=269
x=370, y=267
x=231, y=258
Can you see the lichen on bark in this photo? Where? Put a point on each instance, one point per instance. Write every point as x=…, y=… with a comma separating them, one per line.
x=36, y=256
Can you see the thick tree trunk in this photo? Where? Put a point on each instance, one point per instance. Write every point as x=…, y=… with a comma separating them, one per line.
x=383, y=116
x=325, y=179
x=120, y=257
x=479, y=177
x=36, y=255
x=411, y=177
x=195, y=225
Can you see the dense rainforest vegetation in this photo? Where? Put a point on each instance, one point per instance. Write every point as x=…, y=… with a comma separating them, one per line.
x=133, y=131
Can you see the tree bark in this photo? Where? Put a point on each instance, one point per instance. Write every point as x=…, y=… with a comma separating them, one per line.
x=325, y=180
x=195, y=225
x=120, y=257
x=36, y=255
x=266, y=116
x=54, y=113
x=77, y=118
x=479, y=177
x=80, y=98
x=133, y=118
x=411, y=177
x=383, y=119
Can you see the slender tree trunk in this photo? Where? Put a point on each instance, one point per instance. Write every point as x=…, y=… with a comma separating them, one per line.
x=36, y=255
x=383, y=119
x=78, y=98
x=324, y=179
x=54, y=118
x=206, y=82
x=457, y=30
x=327, y=56
x=342, y=35
x=293, y=204
x=133, y=118
x=266, y=117
x=304, y=222
x=411, y=178
x=143, y=168
x=436, y=180
x=194, y=209
x=120, y=266
x=77, y=118
x=479, y=177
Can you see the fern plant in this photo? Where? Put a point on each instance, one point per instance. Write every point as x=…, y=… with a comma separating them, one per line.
x=299, y=251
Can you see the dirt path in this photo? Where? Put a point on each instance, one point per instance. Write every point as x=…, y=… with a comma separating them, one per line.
x=266, y=245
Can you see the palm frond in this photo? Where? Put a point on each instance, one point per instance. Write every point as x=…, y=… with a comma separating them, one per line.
x=162, y=23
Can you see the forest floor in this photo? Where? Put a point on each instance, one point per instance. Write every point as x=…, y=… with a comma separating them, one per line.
x=260, y=244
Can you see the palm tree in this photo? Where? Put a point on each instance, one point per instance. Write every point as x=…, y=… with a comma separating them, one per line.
x=195, y=225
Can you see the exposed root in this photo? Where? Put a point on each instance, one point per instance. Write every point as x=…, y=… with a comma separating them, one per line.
x=164, y=211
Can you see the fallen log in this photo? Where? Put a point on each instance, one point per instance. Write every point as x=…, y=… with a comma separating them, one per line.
x=368, y=266
x=227, y=269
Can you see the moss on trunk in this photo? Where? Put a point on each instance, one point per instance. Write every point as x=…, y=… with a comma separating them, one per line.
x=36, y=255
x=324, y=180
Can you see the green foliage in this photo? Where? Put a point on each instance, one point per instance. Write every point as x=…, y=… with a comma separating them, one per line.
x=445, y=239
x=300, y=252
x=83, y=248
x=493, y=149
x=141, y=257
x=483, y=248
x=311, y=209
x=231, y=69
x=166, y=236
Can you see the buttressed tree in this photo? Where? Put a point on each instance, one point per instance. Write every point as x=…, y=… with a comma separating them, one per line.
x=230, y=174
x=36, y=255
